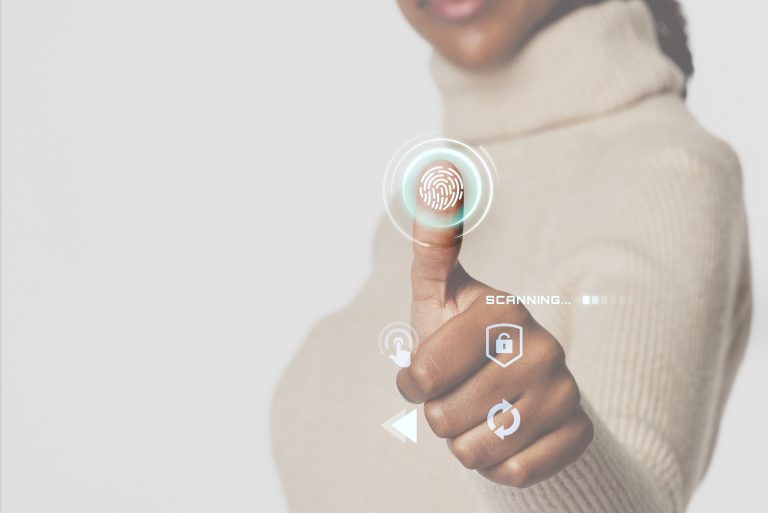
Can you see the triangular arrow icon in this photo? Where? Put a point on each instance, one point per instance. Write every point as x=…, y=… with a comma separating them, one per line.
x=407, y=426
x=403, y=426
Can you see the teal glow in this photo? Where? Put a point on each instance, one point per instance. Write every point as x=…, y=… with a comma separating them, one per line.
x=473, y=186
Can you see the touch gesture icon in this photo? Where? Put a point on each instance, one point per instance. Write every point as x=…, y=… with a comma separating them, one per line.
x=398, y=340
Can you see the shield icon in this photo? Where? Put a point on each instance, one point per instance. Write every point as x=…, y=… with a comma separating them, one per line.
x=504, y=343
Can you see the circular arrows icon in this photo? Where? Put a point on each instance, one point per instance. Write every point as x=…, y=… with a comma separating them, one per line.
x=503, y=406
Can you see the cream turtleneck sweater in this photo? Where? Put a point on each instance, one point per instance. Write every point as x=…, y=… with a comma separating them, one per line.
x=607, y=186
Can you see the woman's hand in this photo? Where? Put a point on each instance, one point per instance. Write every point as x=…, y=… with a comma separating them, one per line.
x=459, y=385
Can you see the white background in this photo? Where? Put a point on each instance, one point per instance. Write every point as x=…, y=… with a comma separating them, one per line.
x=156, y=278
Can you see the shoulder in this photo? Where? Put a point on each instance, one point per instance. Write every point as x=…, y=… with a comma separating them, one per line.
x=653, y=165
x=660, y=181
x=658, y=144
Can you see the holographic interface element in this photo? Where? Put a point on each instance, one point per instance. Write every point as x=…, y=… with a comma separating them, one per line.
x=504, y=343
x=503, y=407
x=403, y=425
x=398, y=340
x=441, y=187
x=440, y=173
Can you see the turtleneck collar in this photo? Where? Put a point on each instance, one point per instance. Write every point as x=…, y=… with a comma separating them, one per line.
x=595, y=60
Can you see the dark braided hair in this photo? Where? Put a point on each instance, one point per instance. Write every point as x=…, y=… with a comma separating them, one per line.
x=672, y=33
x=670, y=29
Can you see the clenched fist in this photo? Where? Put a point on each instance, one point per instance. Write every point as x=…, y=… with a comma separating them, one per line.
x=459, y=386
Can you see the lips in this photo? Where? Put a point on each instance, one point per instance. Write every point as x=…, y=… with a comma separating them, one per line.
x=455, y=10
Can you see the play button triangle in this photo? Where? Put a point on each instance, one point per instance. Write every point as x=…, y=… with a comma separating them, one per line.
x=406, y=426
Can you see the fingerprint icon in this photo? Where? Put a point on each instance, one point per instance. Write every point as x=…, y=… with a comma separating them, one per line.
x=441, y=188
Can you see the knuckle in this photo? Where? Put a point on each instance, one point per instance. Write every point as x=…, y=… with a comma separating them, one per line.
x=553, y=354
x=517, y=473
x=403, y=382
x=464, y=452
x=516, y=313
x=571, y=395
x=424, y=378
x=438, y=419
x=585, y=429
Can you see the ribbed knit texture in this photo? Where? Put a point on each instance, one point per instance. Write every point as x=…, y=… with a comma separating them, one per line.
x=607, y=186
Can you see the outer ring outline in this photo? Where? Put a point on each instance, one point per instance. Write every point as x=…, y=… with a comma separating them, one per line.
x=474, y=152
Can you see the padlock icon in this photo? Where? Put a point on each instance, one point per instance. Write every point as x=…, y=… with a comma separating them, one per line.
x=504, y=344
x=509, y=342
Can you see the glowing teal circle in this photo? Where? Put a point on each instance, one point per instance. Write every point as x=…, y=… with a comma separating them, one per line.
x=469, y=173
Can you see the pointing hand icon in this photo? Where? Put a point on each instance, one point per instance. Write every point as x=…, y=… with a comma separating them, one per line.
x=402, y=358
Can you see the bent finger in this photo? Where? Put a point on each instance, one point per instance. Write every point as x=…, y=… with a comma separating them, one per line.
x=544, y=458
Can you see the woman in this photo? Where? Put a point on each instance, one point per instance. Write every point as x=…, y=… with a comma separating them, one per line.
x=609, y=187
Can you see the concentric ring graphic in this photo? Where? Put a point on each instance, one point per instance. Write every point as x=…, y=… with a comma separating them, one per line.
x=440, y=172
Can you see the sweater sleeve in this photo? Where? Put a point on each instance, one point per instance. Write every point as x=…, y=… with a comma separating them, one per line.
x=655, y=367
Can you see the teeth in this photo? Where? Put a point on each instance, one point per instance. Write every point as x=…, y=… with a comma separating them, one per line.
x=441, y=188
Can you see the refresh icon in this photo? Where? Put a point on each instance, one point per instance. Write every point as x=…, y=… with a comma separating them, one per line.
x=502, y=431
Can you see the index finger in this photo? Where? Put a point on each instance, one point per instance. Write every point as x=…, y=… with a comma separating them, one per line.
x=437, y=225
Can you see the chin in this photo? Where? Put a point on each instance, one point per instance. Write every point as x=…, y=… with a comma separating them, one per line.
x=479, y=55
x=488, y=39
